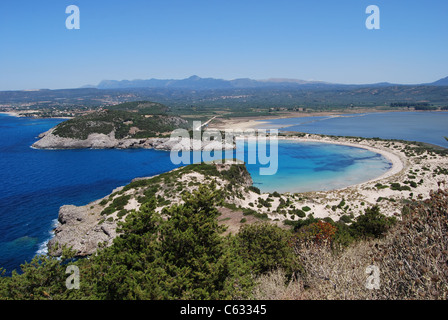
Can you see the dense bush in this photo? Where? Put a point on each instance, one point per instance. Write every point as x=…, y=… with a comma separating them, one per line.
x=372, y=224
x=264, y=247
x=182, y=257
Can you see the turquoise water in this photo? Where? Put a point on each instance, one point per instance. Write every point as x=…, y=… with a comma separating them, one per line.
x=308, y=166
x=35, y=183
x=430, y=127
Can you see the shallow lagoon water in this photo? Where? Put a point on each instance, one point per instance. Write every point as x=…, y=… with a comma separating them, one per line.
x=429, y=127
x=314, y=166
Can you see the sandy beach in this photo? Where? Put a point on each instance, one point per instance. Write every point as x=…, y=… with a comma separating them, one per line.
x=397, y=163
x=243, y=123
x=10, y=113
x=376, y=191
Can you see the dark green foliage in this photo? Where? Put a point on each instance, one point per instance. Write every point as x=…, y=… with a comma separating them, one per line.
x=396, y=186
x=297, y=212
x=254, y=189
x=261, y=216
x=121, y=201
x=410, y=104
x=380, y=186
x=264, y=247
x=106, y=121
x=41, y=279
x=426, y=108
x=345, y=218
x=193, y=250
x=117, y=205
x=341, y=204
x=266, y=203
x=107, y=211
x=372, y=224
x=143, y=107
x=182, y=257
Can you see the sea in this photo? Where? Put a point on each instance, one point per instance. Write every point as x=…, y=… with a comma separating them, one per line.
x=34, y=184
x=424, y=126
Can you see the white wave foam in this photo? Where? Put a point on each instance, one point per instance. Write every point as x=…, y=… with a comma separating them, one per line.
x=43, y=249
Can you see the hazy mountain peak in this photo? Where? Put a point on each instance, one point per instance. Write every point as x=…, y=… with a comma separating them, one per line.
x=195, y=82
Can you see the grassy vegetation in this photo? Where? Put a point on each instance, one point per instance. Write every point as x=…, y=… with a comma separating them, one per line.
x=186, y=256
x=142, y=107
x=410, y=256
x=182, y=257
x=123, y=123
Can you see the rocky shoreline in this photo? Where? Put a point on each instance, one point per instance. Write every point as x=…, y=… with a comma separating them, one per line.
x=414, y=174
x=48, y=140
x=84, y=229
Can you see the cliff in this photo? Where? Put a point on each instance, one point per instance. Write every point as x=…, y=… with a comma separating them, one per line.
x=89, y=227
x=49, y=140
x=104, y=129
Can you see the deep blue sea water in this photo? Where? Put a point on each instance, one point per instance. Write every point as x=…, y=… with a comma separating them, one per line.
x=35, y=183
x=430, y=127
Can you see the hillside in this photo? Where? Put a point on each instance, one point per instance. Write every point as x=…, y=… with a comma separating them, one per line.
x=176, y=249
x=124, y=124
x=441, y=82
x=84, y=227
x=198, y=83
x=141, y=107
x=240, y=97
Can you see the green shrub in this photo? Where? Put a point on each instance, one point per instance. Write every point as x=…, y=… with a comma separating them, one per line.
x=372, y=224
x=345, y=218
x=265, y=247
x=254, y=189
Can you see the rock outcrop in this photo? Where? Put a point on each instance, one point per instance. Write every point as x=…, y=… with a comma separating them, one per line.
x=48, y=140
x=86, y=228
x=80, y=229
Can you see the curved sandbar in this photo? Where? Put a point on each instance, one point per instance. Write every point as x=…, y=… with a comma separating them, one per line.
x=397, y=164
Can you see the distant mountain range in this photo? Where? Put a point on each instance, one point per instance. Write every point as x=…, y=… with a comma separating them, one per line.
x=441, y=82
x=198, y=83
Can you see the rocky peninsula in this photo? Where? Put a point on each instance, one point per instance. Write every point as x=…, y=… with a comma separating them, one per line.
x=49, y=140
x=416, y=171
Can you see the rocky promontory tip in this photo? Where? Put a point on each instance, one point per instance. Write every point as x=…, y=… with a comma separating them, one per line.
x=86, y=228
x=79, y=229
x=48, y=140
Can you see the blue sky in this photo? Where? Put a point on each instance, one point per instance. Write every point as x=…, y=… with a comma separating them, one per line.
x=139, y=39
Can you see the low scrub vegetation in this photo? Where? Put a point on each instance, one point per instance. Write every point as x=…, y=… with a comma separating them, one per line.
x=186, y=256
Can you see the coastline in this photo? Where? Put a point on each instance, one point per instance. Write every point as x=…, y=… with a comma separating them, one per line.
x=322, y=204
x=18, y=115
x=10, y=113
x=397, y=164
x=357, y=195
x=258, y=122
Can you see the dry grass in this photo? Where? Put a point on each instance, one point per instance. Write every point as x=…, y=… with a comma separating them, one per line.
x=412, y=261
